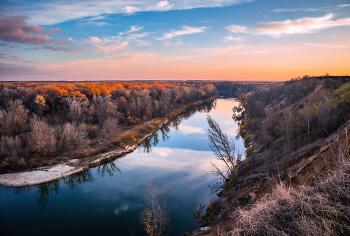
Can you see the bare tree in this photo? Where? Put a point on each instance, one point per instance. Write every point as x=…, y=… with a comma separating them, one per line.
x=74, y=137
x=77, y=108
x=42, y=136
x=224, y=149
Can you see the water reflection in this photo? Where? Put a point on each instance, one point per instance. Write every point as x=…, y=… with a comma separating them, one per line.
x=164, y=132
x=108, y=168
x=110, y=196
x=44, y=190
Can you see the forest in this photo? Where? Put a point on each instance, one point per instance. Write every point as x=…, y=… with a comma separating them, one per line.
x=40, y=121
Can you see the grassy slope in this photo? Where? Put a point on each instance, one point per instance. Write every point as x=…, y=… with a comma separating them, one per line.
x=302, y=192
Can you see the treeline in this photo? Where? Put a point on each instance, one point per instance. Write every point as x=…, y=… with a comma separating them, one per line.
x=230, y=89
x=46, y=119
x=289, y=115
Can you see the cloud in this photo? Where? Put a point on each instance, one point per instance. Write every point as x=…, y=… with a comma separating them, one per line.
x=165, y=152
x=305, y=25
x=105, y=45
x=261, y=49
x=9, y=57
x=308, y=9
x=185, y=30
x=121, y=209
x=95, y=21
x=164, y=6
x=294, y=9
x=55, y=31
x=191, y=130
x=177, y=42
x=135, y=36
x=236, y=28
x=70, y=39
x=230, y=39
x=179, y=58
x=62, y=42
x=57, y=49
x=53, y=12
x=130, y=9
x=14, y=29
x=134, y=28
x=15, y=70
x=344, y=5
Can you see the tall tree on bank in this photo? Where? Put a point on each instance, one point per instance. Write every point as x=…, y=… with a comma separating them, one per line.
x=224, y=149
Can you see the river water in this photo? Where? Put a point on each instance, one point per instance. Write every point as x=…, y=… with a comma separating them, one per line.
x=108, y=199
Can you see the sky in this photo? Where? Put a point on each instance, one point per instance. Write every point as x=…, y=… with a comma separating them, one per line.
x=240, y=40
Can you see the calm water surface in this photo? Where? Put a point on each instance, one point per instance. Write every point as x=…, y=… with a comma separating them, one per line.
x=108, y=200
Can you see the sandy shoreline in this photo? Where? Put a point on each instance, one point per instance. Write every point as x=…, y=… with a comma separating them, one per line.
x=48, y=173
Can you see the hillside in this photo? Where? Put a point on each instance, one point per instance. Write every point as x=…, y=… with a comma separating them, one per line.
x=295, y=177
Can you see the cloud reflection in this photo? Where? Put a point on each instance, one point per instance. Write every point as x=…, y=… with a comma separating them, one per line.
x=191, y=129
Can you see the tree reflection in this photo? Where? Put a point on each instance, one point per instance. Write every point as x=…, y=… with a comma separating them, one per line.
x=108, y=168
x=165, y=130
x=73, y=181
x=44, y=190
x=152, y=141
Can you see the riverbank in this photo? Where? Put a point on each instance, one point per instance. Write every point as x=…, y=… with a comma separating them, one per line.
x=126, y=144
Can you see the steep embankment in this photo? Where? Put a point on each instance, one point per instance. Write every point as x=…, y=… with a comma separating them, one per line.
x=290, y=183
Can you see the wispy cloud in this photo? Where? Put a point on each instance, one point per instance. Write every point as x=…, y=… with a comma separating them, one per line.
x=179, y=59
x=236, y=28
x=250, y=49
x=16, y=70
x=190, y=129
x=105, y=45
x=58, y=48
x=136, y=36
x=295, y=9
x=308, y=9
x=9, y=57
x=176, y=42
x=134, y=28
x=305, y=25
x=185, y=30
x=53, y=12
x=231, y=39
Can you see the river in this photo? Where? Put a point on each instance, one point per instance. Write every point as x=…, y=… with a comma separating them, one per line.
x=108, y=199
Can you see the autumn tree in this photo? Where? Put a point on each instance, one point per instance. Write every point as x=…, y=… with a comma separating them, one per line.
x=40, y=104
x=52, y=94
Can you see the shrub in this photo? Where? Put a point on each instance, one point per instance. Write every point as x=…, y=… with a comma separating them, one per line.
x=341, y=97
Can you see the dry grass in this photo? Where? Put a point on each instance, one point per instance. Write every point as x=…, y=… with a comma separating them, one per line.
x=319, y=210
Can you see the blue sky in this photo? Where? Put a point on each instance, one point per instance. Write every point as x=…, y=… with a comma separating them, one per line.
x=174, y=39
